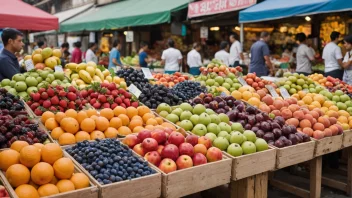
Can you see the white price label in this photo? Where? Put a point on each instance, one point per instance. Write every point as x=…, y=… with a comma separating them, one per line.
x=134, y=90
x=29, y=64
x=129, y=36
x=272, y=91
x=284, y=93
x=147, y=73
x=204, y=32
x=242, y=81
x=58, y=68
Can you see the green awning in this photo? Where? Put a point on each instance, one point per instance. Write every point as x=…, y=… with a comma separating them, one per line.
x=126, y=13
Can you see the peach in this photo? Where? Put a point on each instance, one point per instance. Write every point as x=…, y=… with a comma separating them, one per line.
x=340, y=128
x=334, y=130
x=286, y=104
x=305, y=110
x=332, y=120
x=308, y=131
x=314, y=114
x=292, y=121
x=261, y=93
x=318, y=134
x=324, y=121
x=332, y=113
x=305, y=123
x=327, y=132
x=268, y=100
x=264, y=108
x=286, y=114
x=278, y=104
x=272, y=108
x=319, y=111
x=298, y=115
x=318, y=126
x=308, y=117
x=314, y=121
x=293, y=107
x=276, y=112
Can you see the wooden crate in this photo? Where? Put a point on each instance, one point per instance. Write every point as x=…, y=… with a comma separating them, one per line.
x=255, y=186
x=328, y=145
x=28, y=110
x=146, y=186
x=196, y=179
x=253, y=164
x=347, y=138
x=295, y=154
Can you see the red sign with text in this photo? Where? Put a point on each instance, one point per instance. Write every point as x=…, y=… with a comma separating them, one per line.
x=208, y=7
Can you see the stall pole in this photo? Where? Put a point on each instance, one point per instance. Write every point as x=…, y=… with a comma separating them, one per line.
x=242, y=34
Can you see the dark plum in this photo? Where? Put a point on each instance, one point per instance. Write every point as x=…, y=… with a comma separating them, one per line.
x=248, y=126
x=208, y=99
x=293, y=139
x=268, y=136
x=255, y=129
x=259, y=117
x=286, y=130
x=214, y=105
x=277, y=133
x=279, y=144
x=251, y=110
x=280, y=120
x=222, y=104
x=259, y=133
x=275, y=125
x=299, y=137
x=265, y=126
x=251, y=120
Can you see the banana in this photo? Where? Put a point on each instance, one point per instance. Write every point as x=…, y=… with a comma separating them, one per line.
x=108, y=78
x=80, y=82
x=81, y=66
x=74, y=76
x=71, y=66
x=85, y=76
x=106, y=73
x=92, y=64
x=99, y=74
x=97, y=79
x=91, y=71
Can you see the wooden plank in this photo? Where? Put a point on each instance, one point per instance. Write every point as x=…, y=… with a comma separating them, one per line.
x=290, y=188
x=315, y=177
x=261, y=185
x=334, y=183
x=347, y=138
x=295, y=154
x=328, y=145
x=243, y=188
x=349, y=171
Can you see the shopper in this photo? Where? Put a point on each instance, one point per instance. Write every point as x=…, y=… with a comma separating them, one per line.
x=310, y=44
x=143, y=56
x=64, y=52
x=223, y=54
x=77, y=53
x=171, y=58
x=260, y=57
x=114, y=58
x=236, y=55
x=9, y=65
x=304, y=56
x=194, y=60
x=347, y=61
x=42, y=44
x=333, y=57
x=90, y=54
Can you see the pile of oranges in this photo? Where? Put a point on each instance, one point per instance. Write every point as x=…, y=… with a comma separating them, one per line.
x=247, y=94
x=72, y=126
x=40, y=170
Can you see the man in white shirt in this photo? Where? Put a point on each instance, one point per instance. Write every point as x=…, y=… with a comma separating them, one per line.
x=304, y=56
x=90, y=55
x=347, y=60
x=223, y=54
x=235, y=51
x=333, y=57
x=194, y=60
x=171, y=58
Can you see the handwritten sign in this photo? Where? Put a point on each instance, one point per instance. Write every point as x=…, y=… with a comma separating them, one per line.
x=272, y=91
x=134, y=90
x=242, y=81
x=129, y=36
x=147, y=73
x=204, y=32
x=58, y=68
x=29, y=64
x=284, y=93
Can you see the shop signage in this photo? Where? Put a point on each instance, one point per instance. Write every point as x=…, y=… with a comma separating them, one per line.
x=208, y=7
x=204, y=32
x=129, y=36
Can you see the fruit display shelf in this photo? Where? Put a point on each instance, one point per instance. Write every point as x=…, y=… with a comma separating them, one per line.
x=89, y=192
x=347, y=138
x=328, y=145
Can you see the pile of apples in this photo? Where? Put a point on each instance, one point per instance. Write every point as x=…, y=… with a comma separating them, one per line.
x=170, y=80
x=171, y=151
x=219, y=68
x=333, y=84
x=257, y=83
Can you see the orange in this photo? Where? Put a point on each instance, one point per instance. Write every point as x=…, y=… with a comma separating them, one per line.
x=66, y=139
x=148, y=116
x=65, y=185
x=254, y=101
x=80, y=180
x=51, y=152
x=124, y=131
x=143, y=110
x=55, y=133
x=29, y=156
x=152, y=121
x=88, y=125
x=307, y=99
x=54, y=180
x=115, y=122
x=255, y=95
x=18, y=145
x=59, y=116
x=168, y=125
x=63, y=168
x=71, y=113
x=81, y=136
x=47, y=190
x=9, y=157
x=102, y=123
x=33, y=184
x=81, y=116
x=159, y=127
x=17, y=175
x=237, y=95
x=137, y=129
x=124, y=118
x=51, y=124
x=119, y=110
x=131, y=111
x=46, y=115
x=42, y=173
x=137, y=117
x=159, y=120
x=91, y=112
x=246, y=95
x=39, y=146
x=97, y=135
x=107, y=113
x=111, y=132
x=26, y=191
x=134, y=123
x=342, y=119
x=334, y=108
x=94, y=117
x=69, y=125
x=149, y=127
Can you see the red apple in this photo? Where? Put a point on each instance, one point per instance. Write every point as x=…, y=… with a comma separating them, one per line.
x=204, y=140
x=170, y=151
x=176, y=138
x=200, y=148
x=131, y=140
x=199, y=159
x=150, y=144
x=153, y=157
x=184, y=161
x=160, y=148
x=214, y=154
x=144, y=134
x=139, y=149
x=186, y=149
x=159, y=136
x=168, y=131
x=192, y=139
x=167, y=165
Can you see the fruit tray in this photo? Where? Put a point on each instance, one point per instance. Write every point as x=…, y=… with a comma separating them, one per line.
x=248, y=165
x=347, y=138
x=90, y=192
x=328, y=145
x=146, y=186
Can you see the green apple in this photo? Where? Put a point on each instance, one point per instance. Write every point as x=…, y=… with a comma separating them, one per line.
x=194, y=119
x=20, y=86
x=248, y=147
x=163, y=107
x=209, y=111
x=226, y=85
x=32, y=90
x=213, y=128
x=211, y=136
x=237, y=127
x=177, y=112
x=172, y=118
x=12, y=91
x=224, y=118
x=5, y=82
x=344, y=98
x=215, y=119
x=336, y=98
x=186, y=107
x=163, y=114
x=341, y=106
x=236, y=137
x=34, y=74
x=205, y=119
x=210, y=82
x=199, y=130
x=225, y=127
x=250, y=135
x=221, y=143
x=186, y=125
x=261, y=144
x=219, y=80
x=234, y=150
x=339, y=92
x=59, y=75
x=186, y=115
x=31, y=81
x=198, y=109
x=19, y=77
x=23, y=94
x=224, y=134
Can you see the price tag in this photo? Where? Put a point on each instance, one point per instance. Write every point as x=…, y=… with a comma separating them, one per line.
x=147, y=73
x=242, y=81
x=134, y=90
x=29, y=64
x=204, y=32
x=284, y=93
x=306, y=90
x=129, y=36
x=272, y=91
x=58, y=68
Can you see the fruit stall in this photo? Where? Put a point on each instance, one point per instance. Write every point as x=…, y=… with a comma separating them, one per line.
x=95, y=133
